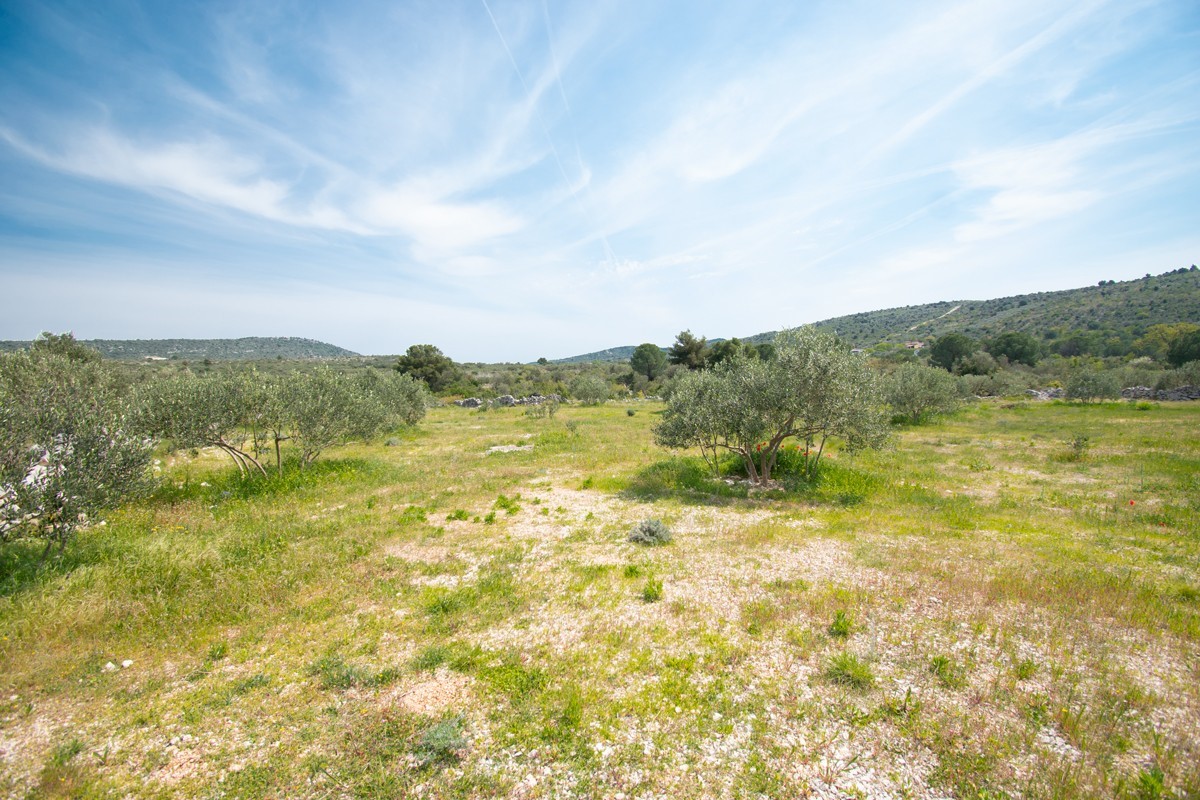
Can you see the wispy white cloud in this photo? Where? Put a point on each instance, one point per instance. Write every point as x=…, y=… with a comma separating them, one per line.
x=616, y=168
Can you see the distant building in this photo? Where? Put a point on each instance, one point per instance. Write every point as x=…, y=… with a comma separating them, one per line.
x=914, y=345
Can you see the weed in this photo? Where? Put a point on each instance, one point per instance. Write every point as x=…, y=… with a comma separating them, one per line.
x=489, y=518
x=652, y=592
x=441, y=744
x=948, y=673
x=841, y=625
x=63, y=753
x=335, y=673
x=1151, y=784
x=847, y=669
x=413, y=514
x=632, y=570
x=650, y=532
x=458, y=514
x=1025, y=669
x=507, y=504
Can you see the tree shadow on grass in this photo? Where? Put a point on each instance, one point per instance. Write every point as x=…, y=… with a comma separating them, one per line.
x=232, y=485
x=688, y=480
x=691, y=481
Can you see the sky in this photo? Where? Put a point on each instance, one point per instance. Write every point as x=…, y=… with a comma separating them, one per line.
x=515, y=180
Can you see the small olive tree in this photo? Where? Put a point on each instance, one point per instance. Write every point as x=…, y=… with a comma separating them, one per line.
x=324, y=408
x=1087, y=385
x=813, y=389
x=591, y=390
x=68, y=445
x=213, y=410
x=916, y=392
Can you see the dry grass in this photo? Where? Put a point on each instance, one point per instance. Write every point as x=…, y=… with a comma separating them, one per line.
x=1021, y=628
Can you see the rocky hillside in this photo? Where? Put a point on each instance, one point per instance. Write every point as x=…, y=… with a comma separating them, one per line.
x=249, y=348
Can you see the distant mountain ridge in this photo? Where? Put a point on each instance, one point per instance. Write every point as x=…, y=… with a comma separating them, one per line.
x=244, y=349
x=1115, y=309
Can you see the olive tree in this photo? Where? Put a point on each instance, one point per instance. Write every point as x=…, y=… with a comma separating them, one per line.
x=813, y=389
x=324, y=408
x=694, y=416
x=591, y=390
x=68, y=445
x=193, y=411
x=916, y=392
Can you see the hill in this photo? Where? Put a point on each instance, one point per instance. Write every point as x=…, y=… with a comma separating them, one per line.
x=609, y=355
x=251, y=347
x=1103, y=319
x=1110, y=313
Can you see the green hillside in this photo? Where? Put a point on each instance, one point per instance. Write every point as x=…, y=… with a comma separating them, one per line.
x=251, y=347
x=1108, y=316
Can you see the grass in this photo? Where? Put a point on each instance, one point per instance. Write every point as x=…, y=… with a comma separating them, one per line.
x=975, y=599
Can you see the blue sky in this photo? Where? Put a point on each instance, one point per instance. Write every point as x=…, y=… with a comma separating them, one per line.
x=509, y=180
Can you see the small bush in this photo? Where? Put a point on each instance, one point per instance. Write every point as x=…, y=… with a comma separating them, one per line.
x=458, y=514
x=948, y=673
x=1025, y=669
x=841, y=625
x=650, y=532
x=653, y=590
x=441, y=744
x=846, y=669
x=508, y=504
x=629, y=412
x=1087, y=385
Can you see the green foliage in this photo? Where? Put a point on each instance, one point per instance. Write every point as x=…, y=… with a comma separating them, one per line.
x=65, y=345
x=841, y=625
x=1017, y=346
x=508, y=505
x=727, y=349
x=916, y=392
x=948, y=673
x=443, y=743
x=69, y=446
x=1184, y=348
x=978, y=363
x=323, y=408
x=847, y=669
x=649, y=360
x=590, y=390
x=948, y=349
x=335, y=673
x=428, y=364
x=652, y=592
x=1087, y=385
x=688, y=351
x=191, y=411
x=813, y=389
x=650, y=532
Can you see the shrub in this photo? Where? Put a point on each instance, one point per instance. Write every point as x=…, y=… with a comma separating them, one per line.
x=848, y=670
x=813, y=388
x=650, y=532
x=441, y=744
x=917, y=392
x=840, y=626
x=653, y=590
x=590, y=390
x=1087, y=385
x=68, y=447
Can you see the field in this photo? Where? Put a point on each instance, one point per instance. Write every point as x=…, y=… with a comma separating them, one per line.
x=1004, y=603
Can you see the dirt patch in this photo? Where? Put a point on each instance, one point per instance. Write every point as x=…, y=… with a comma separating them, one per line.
x=431, y=697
